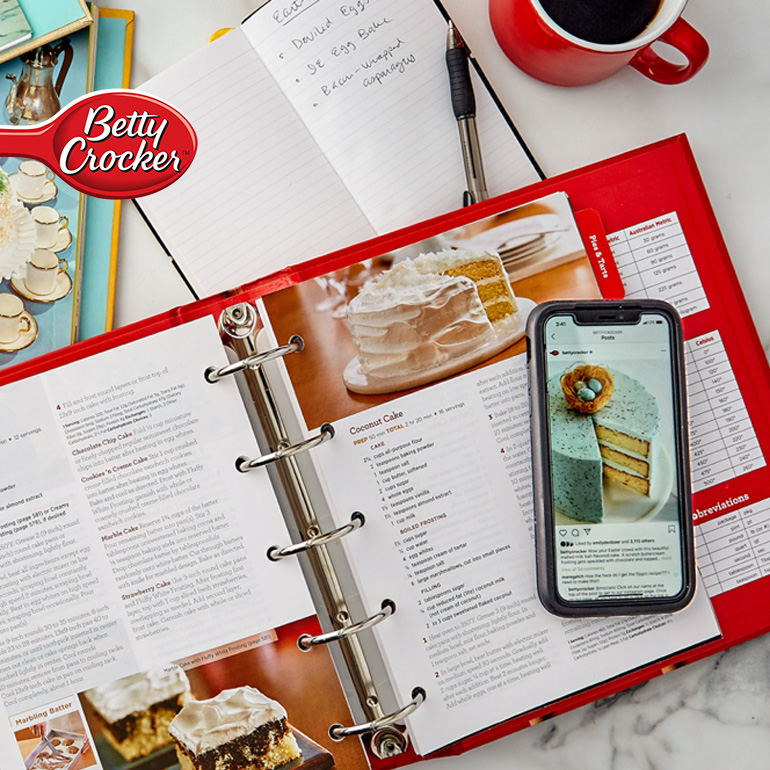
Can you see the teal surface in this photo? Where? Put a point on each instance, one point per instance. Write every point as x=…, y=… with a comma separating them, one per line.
x=46, y=16
x=110, y=50
x=54, y=319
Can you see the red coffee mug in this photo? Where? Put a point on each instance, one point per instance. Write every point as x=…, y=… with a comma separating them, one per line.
x=537, y=45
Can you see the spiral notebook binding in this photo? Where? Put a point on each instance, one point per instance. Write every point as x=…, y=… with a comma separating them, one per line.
x=357, y=520
x=338, y=732
x=306, y=642
x=243, y=464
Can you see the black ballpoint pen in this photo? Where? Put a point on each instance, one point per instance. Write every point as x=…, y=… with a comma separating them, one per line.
x=464, y=106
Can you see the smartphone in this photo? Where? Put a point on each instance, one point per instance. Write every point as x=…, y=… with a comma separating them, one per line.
x=610, y=451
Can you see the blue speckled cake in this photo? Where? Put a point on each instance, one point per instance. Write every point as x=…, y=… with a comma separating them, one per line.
x=625, y=429
x=615, y=442
x=576, y=461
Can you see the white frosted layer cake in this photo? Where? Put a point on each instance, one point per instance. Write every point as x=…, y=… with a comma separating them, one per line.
x=239, y=729
x=136, y=711
x=424, y=312
x=616, y=442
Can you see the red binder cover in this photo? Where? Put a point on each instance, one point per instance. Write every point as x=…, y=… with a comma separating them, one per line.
x=633, y=193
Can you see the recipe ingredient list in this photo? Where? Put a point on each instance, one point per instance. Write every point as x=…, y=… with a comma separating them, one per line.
x=444, y=475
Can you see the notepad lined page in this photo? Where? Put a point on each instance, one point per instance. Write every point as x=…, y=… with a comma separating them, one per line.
x=260, y=195
x=319, y=125
x=369, y=79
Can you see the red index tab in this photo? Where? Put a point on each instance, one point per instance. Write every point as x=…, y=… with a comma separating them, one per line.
x=110, y=144
x=599, y=254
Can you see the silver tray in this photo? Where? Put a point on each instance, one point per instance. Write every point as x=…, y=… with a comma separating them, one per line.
x=43, y=746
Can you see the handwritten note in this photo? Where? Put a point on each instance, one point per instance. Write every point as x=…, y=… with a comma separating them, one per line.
x=319, y=124
x=369, y=79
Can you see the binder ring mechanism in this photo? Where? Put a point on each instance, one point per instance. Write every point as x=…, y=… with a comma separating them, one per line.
x=306, y=642
x=357, y=520
x=338, y=732
x=295, y=345
x=244, y=464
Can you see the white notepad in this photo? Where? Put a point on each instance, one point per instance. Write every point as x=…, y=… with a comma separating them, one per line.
x=319, y=125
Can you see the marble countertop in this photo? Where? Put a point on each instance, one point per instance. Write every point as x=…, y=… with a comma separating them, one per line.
x=710, y=714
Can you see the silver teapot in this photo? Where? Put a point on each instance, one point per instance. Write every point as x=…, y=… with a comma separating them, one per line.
x=34, y=96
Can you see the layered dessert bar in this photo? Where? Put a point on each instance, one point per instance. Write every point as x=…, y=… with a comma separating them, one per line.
x=239, y=729
x=135, y=712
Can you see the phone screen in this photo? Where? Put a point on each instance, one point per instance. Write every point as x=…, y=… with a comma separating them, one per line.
x=612, y=447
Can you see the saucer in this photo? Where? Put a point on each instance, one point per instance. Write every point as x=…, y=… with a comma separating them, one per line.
x=63, y=288
x=63, y=240
x=24, y=340
x=50, y=191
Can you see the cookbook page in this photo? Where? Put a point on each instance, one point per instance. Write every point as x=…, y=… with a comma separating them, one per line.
x=133, y=553
x=432, y=446
x=445, y=481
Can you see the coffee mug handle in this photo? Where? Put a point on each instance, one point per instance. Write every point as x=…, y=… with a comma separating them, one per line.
x=688, y=41
x=63, y=265
x=64, y=223
x=26, y=323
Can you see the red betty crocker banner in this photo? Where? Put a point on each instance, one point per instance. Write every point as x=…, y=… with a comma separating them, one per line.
x=110, y=144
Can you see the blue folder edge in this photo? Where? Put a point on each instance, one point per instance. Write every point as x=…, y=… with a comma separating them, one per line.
x=113, y=52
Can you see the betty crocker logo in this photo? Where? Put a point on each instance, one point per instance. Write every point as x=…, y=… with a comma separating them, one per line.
x=110, y=144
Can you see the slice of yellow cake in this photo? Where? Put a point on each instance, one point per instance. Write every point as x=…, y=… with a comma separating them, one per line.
x=634, y=464
x=625, y=429
x=485, y=269
x=637, y=483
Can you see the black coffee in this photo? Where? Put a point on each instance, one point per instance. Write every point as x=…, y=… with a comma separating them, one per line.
x=602, y=21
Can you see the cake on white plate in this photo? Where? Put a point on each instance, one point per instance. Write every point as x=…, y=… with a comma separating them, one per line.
x=429, y=310
x=616, y=442
x=135, y=711
x=238, y=729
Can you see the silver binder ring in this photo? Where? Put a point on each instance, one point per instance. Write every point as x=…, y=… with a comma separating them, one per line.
x=338, y=732
x=306, y=642
x=295, y=345
x=357, y=520
x=243, y=464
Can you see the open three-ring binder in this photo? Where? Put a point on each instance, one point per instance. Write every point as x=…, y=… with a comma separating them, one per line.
x=403, y=512
x=238, y=325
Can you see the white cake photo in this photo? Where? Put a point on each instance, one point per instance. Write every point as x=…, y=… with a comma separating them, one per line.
x=431, y=316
